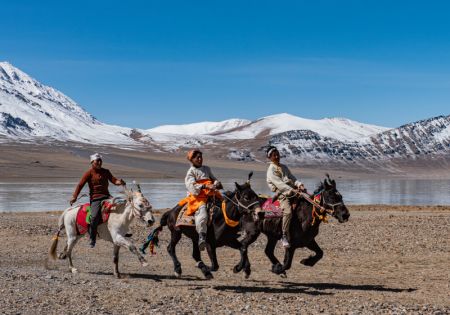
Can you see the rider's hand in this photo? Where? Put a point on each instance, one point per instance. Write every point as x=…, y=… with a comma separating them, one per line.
x=72, y=201
x=210, y=186
x=301, y=188
x=218, y=185
x=121, y=182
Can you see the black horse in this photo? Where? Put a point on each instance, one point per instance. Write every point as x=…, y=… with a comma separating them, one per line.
x=306, y=219
x=224, y=230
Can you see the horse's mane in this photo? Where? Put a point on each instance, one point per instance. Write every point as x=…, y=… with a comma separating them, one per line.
x=230, y=194
x=319, y=188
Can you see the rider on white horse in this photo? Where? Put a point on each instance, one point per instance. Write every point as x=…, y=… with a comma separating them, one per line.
x=97, y=179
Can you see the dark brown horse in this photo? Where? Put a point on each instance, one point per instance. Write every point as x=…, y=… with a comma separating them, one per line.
x=243, y=204
x=304, y=225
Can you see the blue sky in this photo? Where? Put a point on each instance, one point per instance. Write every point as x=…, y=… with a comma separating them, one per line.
x=147, y=63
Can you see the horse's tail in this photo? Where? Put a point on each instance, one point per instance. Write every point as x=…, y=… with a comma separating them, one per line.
x=54, y=246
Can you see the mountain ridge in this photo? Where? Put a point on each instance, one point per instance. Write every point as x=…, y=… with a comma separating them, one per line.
x=32, y=111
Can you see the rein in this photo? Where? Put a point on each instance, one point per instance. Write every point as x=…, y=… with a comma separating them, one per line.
x=321, y=212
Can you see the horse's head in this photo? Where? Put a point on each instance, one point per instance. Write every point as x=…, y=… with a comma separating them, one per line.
x=144, y=208
x=332, y=200
x=141, y=206
x=247, y=199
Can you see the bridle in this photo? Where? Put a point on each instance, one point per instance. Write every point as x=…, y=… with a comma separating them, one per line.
x=239, y=204
x=323, y=208
x=135, y=211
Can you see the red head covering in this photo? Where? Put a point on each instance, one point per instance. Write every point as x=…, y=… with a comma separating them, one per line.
x=191, y=154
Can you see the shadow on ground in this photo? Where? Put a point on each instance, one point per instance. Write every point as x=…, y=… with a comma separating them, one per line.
x=308, y=288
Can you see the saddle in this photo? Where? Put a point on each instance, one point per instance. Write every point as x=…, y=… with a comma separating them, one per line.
x=272, y=209
x=84, y=216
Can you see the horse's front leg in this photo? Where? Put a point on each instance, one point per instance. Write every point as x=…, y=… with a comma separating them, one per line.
x=116, y=261
x=213, y=257
x=211, y=248
x=120, y=240
x=250, y=237
x=288, y=256
x=270, y=253
x=198, y=259
x=313, y=259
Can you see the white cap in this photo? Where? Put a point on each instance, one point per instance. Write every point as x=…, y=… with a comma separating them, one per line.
x=96, y=156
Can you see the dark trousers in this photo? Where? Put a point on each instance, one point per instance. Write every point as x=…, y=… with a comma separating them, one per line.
x=96, y=217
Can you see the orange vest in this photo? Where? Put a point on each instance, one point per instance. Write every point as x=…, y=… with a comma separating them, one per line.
x=194, y=202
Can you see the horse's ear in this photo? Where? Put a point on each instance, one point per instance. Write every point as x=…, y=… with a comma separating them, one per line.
x=138, y=186
x=331, y=182
x=326, y=184
x=250, y=176
x=238, y=187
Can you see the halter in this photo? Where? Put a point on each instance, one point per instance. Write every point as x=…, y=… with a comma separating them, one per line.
x=240, y=205
x=135, y=211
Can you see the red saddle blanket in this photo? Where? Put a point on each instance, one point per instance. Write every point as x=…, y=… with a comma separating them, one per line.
x=84, y=216
x=272, y=209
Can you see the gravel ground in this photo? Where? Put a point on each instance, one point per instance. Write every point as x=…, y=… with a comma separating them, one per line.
x=385, y=260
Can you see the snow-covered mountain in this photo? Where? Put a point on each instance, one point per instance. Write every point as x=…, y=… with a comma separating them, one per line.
x=336, y=128
x=430, y=137
x=31, y=111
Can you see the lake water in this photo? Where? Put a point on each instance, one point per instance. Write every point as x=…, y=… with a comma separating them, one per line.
x=44, y=196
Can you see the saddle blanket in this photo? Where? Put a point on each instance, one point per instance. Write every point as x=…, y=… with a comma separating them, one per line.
x=84, y=216
x=272, y=209
x=184, y=219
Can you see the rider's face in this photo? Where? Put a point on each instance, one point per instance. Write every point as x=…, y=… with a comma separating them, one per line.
x=197, y=161
x=275, y=157
x=97, y=164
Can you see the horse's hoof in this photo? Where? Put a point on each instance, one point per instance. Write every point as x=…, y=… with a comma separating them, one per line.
x=117, y=275
x=307, y=262
x=209, y=276
x=62, y=256
x=277, y=269
x=177, y=274
x=283, y=275
x=214, y=269
x=236, y=269
x=247, y=275
x=74, y=270
x=144, y=264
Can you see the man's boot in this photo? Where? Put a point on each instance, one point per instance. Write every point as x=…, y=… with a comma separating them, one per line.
x=92, y=234
x=202, y=241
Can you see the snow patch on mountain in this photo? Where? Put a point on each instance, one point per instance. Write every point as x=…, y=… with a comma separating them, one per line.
x=201, y=128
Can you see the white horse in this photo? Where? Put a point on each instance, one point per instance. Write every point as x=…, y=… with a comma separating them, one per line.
x=114, y=230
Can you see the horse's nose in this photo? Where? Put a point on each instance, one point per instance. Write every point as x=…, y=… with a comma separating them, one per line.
x=150, y=221
x=346, y=216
